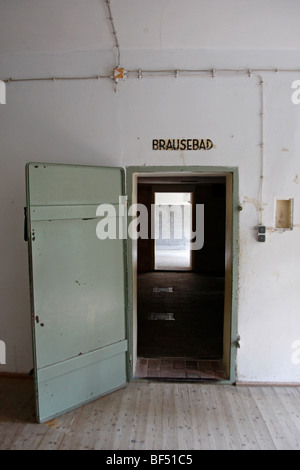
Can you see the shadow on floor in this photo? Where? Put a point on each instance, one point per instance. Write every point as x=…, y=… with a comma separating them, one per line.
x=17, y=403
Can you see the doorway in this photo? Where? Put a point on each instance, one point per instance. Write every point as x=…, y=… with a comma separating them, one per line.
x=183, y=323
x=173, y=230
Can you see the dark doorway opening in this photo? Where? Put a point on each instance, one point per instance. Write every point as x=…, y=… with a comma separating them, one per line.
x=180, y=310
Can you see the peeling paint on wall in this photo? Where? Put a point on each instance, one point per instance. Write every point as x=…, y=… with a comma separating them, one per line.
x=255, y=202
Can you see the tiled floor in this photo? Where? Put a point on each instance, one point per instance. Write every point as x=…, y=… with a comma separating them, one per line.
x=195, y=306
x=179, y=369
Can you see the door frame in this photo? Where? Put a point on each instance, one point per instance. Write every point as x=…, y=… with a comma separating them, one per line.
x=232, y=255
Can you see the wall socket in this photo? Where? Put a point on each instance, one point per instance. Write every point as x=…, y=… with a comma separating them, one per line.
x=261, y=233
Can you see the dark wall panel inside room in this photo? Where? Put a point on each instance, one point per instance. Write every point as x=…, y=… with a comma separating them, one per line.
x=211, y=258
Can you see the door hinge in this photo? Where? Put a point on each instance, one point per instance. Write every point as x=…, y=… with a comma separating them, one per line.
x=25, y=225
x=130, y=361
x=237, y=342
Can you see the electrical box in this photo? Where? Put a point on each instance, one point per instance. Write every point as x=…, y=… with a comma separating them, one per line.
x=261, y=233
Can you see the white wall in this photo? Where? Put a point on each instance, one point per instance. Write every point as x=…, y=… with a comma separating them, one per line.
x=85, y=122
x=81, y=25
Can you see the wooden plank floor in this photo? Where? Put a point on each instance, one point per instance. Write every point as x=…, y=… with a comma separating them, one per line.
x=157, y=416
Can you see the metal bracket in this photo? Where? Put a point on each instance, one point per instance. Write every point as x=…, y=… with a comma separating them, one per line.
x=130, y=360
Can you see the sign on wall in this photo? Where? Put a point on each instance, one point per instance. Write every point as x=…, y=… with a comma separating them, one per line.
x=182, y=144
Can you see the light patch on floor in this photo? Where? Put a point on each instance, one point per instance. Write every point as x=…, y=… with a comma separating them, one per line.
x=161, y=316
x=162, y=289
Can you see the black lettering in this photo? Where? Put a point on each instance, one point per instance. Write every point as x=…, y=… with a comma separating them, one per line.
x=162, y=144
x=155, y=144
x=183, y=144
x=209, y=144
x=202, y=145
x=176, y=147
x=169, y=145
x=195, y=144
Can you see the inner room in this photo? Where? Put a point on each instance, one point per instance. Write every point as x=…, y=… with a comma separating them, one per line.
x=173, y=226
x=180, y=286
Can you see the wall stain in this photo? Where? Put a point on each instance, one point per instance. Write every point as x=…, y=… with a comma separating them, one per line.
x=296, y=179
x=182, y=158
x=253, y=201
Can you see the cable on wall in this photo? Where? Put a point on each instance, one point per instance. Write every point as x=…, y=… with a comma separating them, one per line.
x=120, y=73
x=114, y=31
x=54, y=79
x=175, y=73
x=262, y=146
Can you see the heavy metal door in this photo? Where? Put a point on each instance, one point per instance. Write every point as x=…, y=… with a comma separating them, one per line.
x=77, y=281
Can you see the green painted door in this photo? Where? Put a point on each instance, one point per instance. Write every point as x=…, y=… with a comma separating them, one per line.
x=78, y=285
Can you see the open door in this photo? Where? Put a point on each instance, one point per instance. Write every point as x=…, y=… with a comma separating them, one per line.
x=78, y=286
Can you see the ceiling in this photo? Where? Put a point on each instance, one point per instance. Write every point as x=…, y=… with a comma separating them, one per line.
x=47, y=26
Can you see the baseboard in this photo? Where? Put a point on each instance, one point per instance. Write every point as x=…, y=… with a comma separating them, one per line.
x=267, y=384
